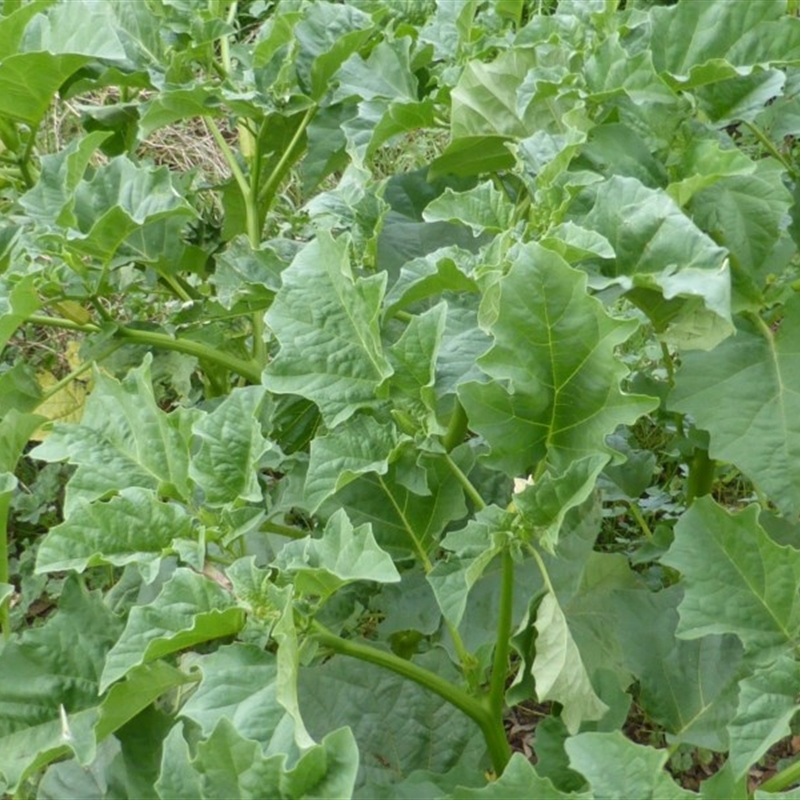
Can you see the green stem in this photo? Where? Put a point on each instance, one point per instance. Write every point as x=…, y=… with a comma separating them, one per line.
x=224, y=42
x=5, y=506
x=283, y=530
x=465, y=482
x=247, y=369
x=25, y=158
x=543, y=569
x=100, y=309
x=770, y=148
x=250, y=205
x=175, y=287
x=668, y=363
x=456, y=428
x=267, y=191
x=467, y=661
x=783, y=779
x=639, y=517
x=76, y=373
x=701, y=475
x=497, y=684
x=492, y=728
x=259, y=349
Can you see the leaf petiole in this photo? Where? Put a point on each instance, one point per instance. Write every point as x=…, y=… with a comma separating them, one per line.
x=492, y=728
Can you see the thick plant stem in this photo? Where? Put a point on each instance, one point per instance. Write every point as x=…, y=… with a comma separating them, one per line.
x=283, y=530
x=783, y=779
x=266, y=193
x=491, y=727
x=250, y=201
x=465, y=482
x=5, y=506
x=456, y=429
x=701, y=475
x=767, y=144
x=497, y=686
x=249, y=370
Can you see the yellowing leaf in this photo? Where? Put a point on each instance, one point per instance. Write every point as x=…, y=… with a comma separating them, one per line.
x=65, y=405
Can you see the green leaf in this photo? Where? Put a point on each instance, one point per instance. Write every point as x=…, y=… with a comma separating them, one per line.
x=356, y=447
x=133, y=527
x=190, y=609
x=688, y=687
x=404, y=522
x=117, y=201
x=544, y=504
x=124, y=439
x=244, y=274
x=473, y=548
x=659, y=249
x=767, y=704
x=473, y=155
x=574, y=243
x=699, y=43
x=483, y=208
x=171, y=105
x=240, y=684
x=612, y=70
x=284, y=633
x=385, y=73
x=409, y=727
x=553, y=350
x=444, y=270
x=742, y=97
x=15, y=431
x=49, y=693
x=484, y=101
x=745, y=213
x=702, y=164
x=558, y=669
x=615, y=150
x=60, y=175
x=616, y=767
x=17, y=303
x=327, y=35
x=414, y=358
x=327, y=325
x=737, y=579
x=226, y=464
x=53, y=47
x=177, y=780
x=141, y=686
x=342, y=555
x=228, y=765
x=519, y=781
x=745, y=394
x=68, y=779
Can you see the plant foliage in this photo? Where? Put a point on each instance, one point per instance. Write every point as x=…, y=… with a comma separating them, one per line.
x=447, y=368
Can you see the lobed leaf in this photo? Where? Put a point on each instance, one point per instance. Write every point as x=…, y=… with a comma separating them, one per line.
x=555, y=394
x=737, y=579
x=124, y=439
x=132, y=528
x=342, y=554
x=231, y=448
x=747, y=396
x=190, y=609
x=327, y=325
